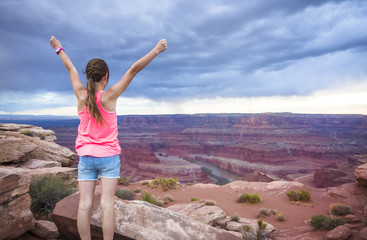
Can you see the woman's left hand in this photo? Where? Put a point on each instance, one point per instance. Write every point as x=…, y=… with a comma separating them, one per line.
x=55, y=43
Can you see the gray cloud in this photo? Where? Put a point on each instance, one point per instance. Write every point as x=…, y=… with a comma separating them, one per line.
x=221, y=48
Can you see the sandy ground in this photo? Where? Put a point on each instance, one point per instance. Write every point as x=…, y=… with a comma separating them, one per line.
x=296, y=215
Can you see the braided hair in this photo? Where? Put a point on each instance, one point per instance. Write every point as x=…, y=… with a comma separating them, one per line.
x=96, y=69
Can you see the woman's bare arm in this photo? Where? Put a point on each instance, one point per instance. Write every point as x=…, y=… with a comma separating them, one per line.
x=78, y=87
x=116, y=90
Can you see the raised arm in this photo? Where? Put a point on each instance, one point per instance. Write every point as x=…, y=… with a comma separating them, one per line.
x=78, y=87
x=116, y=90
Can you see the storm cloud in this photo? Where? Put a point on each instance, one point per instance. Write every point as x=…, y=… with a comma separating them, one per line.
x=226, y=49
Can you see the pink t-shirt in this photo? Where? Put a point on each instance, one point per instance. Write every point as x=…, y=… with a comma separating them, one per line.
x=96, y=140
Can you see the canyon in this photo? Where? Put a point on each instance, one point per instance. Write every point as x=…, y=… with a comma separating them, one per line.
x=319, y=149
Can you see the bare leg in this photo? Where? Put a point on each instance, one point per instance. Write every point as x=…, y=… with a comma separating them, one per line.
x=109, y=186
x=86, y=190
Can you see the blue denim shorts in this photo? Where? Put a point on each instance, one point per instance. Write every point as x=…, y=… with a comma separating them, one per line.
x=107, y=167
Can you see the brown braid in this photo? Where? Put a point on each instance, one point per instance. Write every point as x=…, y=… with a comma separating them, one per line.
x=95, y=70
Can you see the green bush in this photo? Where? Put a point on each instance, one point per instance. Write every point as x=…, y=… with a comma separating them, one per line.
x=170, y=183
x=302, y=195
x=168, y=198
x=43, y=136
x=280, y=217
x=46, y=191
x=26, y=132
x=235, y=217
x=249, y=197
x=148, y=197
x=261, y=228
x=193, y=199
x=124, y=181
x=322, y=222
x=338, y=209
x=210, y=202
x=263, y=212
x=125, y=194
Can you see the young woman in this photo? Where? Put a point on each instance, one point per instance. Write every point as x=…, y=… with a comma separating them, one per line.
x=97, y=144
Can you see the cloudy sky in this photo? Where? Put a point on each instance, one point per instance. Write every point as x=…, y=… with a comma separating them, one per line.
x=223, y=56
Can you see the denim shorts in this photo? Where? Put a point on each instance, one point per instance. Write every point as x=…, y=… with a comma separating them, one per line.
x=107, y=167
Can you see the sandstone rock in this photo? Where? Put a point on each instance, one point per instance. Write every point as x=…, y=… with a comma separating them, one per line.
x=360, y=174
x=365, y=211
x=234, y=226
x=67, y=175
x=159, y=223
x=352, y=218
x=13, y=183
x=16, y=217
x=363, y=233
x=45, y=230
x=253, y=228
x=35, y=163
x=199, y=211
x=15, y=150
x=136, y=220
x=338, y=233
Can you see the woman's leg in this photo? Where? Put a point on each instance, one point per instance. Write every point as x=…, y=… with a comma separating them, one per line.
x=109, y=186
x=86, y=193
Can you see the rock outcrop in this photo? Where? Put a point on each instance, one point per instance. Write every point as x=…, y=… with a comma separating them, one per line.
x=360, y=174
x=137, y=220
x=27, y=151
x=16, y=217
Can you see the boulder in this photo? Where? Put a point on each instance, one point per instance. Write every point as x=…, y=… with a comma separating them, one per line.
x=154, y=222
x=15, y=150
x=135, y=220
x=338, y=233
x=199, y=211
x=35, y=163
x=16, y=217
x=46, y=230
x=360, y=173
x=363, y=233
x=352, y=218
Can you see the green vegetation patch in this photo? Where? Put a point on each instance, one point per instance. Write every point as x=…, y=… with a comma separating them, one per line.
x=47, y=191
x=322, y=222
x=249, y=198
x=302, y=195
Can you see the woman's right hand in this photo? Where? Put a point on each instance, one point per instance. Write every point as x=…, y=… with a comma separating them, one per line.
x=161, y=45
x=54, y=43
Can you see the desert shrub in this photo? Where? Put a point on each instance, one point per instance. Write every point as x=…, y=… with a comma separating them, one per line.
x=168, y=198
x=193, y=199
x=322, y=222
x=210, y=202
x=125, y=194
x=148, y=197
x=146, y=182
x=170, y=183
x=159, y=202
x=249, y=197
x=302, y=195
x=124, y=181
x=235, y=217
x=280, y=217
x=137, y=190
x=274, y=211
x=338, y=209
x=26, y=132
x=46, y=191
x=261, y=228
x=263, y=212
x=246, y=228
x=43, y=136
